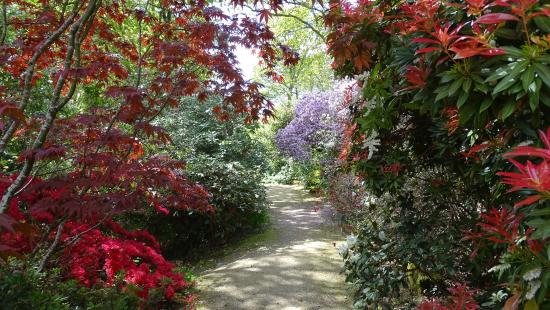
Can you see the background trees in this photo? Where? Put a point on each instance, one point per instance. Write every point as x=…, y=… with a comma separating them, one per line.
x=301, y=28
x=223, y=157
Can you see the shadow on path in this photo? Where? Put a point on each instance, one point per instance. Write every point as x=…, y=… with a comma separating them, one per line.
x=297, y=269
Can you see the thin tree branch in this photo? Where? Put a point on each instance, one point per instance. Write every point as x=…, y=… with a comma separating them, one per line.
x=4, y=22
x=306, y=23
x=52, y=246
x=55, y=105
x=29, y=73
x=298, y=18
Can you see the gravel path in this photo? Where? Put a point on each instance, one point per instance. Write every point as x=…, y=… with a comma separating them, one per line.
x=297, y=268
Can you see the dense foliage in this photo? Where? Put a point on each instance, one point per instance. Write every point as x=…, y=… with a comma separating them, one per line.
x=280, y=168
x=447, y=89
x=223, y=158
x=432, y=158
x=82, y=84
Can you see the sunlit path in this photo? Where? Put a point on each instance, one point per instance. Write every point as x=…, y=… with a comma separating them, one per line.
x=298, y=269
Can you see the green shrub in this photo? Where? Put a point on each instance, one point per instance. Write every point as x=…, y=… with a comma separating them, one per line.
x=223, y=158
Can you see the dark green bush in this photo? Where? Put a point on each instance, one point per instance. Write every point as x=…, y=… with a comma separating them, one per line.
x=223, y=158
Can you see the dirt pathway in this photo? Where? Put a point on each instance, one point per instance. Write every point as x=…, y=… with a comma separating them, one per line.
x=297, y=268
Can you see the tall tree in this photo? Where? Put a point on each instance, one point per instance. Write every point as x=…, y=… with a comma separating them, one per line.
x=301, y=28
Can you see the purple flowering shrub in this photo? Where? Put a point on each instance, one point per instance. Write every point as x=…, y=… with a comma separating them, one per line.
x=317, y=123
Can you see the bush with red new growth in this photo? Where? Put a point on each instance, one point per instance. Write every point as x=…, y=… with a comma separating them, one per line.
x=453, y=93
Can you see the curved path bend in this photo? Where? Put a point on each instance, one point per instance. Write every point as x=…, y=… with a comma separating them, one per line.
x=297, y=268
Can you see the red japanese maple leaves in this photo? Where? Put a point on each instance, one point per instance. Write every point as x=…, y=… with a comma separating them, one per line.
x=84, y=82
x=178, y=50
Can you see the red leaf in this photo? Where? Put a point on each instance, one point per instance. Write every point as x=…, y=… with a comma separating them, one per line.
x=424, y=40
x=496, y=18
x=264, y=15
x=12, y=112
x=48, y=152
x=6, y=222
x=528, y=151
x=428, y=50
x=528, y=201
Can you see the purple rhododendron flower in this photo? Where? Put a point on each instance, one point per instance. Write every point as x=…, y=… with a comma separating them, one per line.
x=317, y=123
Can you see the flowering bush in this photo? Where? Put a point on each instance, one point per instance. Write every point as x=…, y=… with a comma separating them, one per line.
x=314, y=134
x=130, y=259
x=138, y=263
x=317, y=123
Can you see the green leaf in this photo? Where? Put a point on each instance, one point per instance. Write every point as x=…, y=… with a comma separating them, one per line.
x=507, y=33
x=507, y=110
x=509, y=79
x=482, y=87
x=462, y=99
x=455, y=86
x=527, y=78
x=447, y=77
x=543, y=23
x=543, y=72
x=466, y=112
x=513, y=51
x=485, y=104
x=542, y=227
x=499, y=73
x=477, y=79
x=517, y=89
x=501, y=268
x=466, y=85
x=540, y=212
x=544, y=59
x=534, y=102
x=441, y=93
x=534, y=94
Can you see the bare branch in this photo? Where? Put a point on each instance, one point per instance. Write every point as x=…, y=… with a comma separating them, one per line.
x=52, y=246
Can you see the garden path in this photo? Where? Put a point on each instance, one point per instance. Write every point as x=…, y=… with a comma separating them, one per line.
x=296, y=267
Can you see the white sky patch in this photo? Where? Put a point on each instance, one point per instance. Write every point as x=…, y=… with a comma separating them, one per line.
x=247, y=61
x=246, y=58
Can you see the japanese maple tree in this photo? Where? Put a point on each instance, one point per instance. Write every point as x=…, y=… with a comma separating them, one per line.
x=82, y=82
